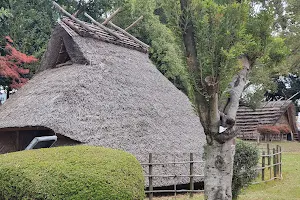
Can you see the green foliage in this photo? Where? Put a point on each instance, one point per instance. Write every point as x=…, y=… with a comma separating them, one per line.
x=166, y=51
x=245, y=161
x=77, y=172
x=221, y=38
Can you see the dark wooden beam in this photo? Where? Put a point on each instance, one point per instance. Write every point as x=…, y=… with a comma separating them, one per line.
x=28, y=128
x=17, y=140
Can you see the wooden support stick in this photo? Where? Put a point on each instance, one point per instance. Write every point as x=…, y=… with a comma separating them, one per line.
x=277, y=159
x=82, y=23
x=128, y=35
x=75, y=13
x=274, y=162
x=111, y=16
x=150, y=177
x=191, y=174
x=134, y=23
x=280, y=161
x=263, y=166
x=102, y=26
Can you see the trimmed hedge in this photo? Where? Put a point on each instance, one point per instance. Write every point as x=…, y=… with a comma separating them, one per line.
x=76, y=172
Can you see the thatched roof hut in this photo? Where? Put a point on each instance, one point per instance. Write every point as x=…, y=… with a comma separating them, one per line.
x=268, y=113
x=93, y=89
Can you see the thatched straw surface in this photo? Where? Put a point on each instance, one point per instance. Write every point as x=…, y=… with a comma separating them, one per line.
x=118, y=100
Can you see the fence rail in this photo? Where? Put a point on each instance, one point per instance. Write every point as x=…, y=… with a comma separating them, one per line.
x=269, y=169
x=191, y=176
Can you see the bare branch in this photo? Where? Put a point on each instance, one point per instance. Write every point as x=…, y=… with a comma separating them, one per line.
x=236, y=88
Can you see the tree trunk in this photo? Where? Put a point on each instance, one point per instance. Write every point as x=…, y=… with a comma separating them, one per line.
x=220, y=152
x=218, y=171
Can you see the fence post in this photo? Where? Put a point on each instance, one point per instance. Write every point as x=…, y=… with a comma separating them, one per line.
x=274, y=162
x=191, y=174
x=280, y=161
x=150, y=177
x=269, y=159
x=263, y=166
x=277, y=159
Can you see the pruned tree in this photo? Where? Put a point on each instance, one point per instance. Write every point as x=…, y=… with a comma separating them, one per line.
x=214, y=36
x=224, y=41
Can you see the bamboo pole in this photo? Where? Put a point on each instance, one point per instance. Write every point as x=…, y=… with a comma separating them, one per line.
x=128, y=35
x=111, y=16
x=102, y=26
x=134, y=23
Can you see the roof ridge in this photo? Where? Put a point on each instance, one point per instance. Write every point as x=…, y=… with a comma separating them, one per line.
x=99, y=31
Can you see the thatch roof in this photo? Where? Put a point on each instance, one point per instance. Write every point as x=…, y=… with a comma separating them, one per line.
x=110, y=96
x=267, y=113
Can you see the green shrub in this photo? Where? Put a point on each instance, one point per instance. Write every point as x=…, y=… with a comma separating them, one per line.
x=77, y=172
x=245, y=161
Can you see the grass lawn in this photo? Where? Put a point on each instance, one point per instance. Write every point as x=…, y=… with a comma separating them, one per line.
x=286, y=189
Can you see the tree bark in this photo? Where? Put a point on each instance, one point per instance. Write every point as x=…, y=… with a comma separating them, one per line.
x=218, y=171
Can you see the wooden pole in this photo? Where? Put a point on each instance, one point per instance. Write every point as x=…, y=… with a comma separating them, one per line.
x=150, y=177
x=268, y=152
x=75, y=13
x=82, y=23
x=111, y=16
x=191, y=174
x=128, y=35
x=102, y=26
x=263, y=166
x=134, y=23
x=274, y=162
x=280, y=160
x=277, y=159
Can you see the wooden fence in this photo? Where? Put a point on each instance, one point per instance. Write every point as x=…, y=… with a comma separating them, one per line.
x=269, y=169
x=270, y=164
x=150, y=192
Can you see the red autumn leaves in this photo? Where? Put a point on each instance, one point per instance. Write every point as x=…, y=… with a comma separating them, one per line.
x=283, y=129
x=11, y=64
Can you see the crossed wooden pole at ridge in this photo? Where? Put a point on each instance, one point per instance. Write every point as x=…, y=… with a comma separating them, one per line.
x=103, y=25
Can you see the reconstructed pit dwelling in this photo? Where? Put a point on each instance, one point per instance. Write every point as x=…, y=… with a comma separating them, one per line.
x=97, y=86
